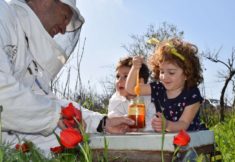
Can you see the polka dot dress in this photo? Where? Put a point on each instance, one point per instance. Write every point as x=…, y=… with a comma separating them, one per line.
x=173, y=108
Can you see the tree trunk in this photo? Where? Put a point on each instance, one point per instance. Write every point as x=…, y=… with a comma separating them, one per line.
x=222, y=106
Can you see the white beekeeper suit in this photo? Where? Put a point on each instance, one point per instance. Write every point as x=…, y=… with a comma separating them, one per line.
x=30, y=59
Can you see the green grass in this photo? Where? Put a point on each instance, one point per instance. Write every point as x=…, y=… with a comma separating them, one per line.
x=225, y=138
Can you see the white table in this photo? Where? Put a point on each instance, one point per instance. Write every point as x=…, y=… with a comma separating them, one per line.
x=146, y=146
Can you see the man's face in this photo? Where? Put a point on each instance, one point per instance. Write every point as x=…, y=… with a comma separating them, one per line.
x=54, y=15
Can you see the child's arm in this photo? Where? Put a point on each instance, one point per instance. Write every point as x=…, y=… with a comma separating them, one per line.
x=145, y=89
x=183, y=123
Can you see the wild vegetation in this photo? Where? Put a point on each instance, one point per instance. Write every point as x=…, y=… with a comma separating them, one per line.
x=220, y=120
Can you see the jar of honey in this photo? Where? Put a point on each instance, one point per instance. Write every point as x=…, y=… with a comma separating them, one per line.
x=136, y=112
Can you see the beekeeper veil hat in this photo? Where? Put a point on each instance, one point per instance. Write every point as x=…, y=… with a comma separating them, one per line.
x=77, y=20
x=69, y=39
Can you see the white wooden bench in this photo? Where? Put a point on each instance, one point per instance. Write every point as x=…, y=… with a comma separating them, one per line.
x=146, y=146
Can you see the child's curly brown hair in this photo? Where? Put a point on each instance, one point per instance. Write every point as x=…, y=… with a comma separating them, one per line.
x=186, y=58
x=127, y=62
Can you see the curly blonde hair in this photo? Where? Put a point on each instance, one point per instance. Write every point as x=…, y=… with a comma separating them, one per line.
x=186, y=58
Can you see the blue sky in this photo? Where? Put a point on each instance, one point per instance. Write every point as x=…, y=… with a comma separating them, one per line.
x=109, y=23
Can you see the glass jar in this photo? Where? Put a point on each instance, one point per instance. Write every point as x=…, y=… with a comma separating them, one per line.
x=136, y=112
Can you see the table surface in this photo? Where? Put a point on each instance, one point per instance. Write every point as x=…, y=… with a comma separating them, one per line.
x=148, y=141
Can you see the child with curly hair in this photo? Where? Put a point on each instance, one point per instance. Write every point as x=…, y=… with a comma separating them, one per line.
x=177, y=71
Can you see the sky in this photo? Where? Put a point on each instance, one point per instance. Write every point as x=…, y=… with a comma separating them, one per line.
x=109, y=24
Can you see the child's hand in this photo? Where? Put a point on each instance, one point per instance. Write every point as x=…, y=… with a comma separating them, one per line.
x=137, y=61
x=157, y=122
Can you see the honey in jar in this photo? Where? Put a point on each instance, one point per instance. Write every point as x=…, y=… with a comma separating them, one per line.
x=136, y=112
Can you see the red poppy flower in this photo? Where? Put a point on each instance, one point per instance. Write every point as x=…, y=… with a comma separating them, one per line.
x=57, y=149
x=70, y=112
x=69, y=123
x=22, y=147
x=70, y=137
x=78, y=115
x=182, y=138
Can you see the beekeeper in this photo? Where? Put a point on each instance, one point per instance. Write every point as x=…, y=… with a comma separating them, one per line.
x=36, y=39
